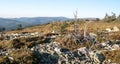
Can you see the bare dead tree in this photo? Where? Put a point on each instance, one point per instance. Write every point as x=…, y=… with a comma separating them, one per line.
x=75, y=23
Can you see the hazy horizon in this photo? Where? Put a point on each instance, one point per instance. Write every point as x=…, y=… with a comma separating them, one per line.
x=58, y=8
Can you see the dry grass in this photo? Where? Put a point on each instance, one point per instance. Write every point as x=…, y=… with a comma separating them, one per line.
x=114, y=56
x=5, y=44
x=69, y=26
x=115, y=36
x=23, y=56
x=3, y=59
x=20, y=43
x=91, y=26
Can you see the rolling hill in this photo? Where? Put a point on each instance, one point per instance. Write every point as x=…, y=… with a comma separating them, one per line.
x=11, y=23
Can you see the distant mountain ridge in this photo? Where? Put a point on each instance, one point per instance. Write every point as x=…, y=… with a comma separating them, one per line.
x=40, y=20
x=11, y=23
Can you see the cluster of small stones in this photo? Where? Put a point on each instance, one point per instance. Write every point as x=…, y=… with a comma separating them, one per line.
x=54, y=54
x=79, y=56
x=111, y=46
x=19, y=35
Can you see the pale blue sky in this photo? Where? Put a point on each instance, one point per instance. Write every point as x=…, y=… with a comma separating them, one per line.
x=53, y=8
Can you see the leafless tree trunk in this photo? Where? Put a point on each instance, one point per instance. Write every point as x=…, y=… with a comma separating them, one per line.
x=75, y=23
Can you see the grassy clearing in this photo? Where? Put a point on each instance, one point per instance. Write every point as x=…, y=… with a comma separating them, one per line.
x=91, y=26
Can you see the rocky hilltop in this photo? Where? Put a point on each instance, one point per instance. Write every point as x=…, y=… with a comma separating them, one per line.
x=100, y=46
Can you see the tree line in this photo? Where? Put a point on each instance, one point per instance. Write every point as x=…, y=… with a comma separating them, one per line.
x=19, y=27
x=111, y=18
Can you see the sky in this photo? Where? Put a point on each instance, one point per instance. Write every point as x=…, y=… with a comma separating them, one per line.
x=57, y=8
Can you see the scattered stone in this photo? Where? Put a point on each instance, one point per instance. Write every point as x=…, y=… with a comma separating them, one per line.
x=115, y=29
x=98, y=57
x=115, y=47
x=11, y=58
